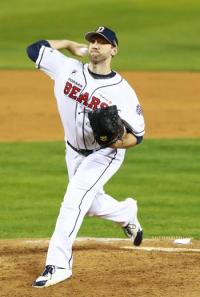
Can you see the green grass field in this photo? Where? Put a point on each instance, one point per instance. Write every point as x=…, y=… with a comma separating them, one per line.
x=162, y=174
x=153, y=35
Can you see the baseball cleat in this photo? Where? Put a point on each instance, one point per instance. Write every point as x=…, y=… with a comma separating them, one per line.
x=134, y=231
x=51, y=276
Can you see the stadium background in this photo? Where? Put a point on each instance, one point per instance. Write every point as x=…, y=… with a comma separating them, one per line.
x=159, y=55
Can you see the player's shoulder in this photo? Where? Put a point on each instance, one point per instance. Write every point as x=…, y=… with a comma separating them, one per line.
x=125, y=84
x=73, y=62
x=58, y=55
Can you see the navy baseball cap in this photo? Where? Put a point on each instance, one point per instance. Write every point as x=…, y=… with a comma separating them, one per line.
x=105, y=32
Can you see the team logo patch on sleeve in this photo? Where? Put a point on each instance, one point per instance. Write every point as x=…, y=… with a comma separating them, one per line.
x=139, y=109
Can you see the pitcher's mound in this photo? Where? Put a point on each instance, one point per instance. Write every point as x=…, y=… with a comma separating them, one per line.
x=105, y=268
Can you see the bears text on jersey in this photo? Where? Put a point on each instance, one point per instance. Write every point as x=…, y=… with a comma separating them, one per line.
x=74, y=92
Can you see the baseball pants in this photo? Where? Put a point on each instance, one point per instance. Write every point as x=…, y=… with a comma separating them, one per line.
x=85, y=196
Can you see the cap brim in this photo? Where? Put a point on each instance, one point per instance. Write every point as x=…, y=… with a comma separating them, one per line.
x=89, y=35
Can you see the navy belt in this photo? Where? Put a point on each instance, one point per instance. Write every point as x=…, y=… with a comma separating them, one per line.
x=80, y=151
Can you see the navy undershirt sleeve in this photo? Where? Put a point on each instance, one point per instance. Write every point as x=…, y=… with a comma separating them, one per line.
x=139, y=139
x=33, y=49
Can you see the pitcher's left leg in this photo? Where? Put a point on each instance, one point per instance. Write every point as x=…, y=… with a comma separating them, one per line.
x=91, y=175
x=123, y=213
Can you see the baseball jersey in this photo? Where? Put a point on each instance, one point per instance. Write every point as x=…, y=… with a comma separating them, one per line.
x=77, y=92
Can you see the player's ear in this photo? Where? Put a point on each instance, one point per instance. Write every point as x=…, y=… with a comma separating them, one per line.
x=114, y=51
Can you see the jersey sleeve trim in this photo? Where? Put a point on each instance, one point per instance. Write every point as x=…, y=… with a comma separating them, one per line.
x=131, y=130
x=39, y=59
x=139, y=139
x=34, y=49
x=141, y=133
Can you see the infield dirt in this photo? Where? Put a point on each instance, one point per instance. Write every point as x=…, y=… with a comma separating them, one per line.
x=103, y=269
x=171, y=103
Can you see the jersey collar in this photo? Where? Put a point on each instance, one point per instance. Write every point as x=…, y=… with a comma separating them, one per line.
x=101, y=76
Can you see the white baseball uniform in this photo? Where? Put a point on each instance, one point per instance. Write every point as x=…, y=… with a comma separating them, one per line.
x=77, y=91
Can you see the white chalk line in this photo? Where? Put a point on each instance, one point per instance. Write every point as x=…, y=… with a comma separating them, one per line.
x=110, y=240
x=81, y=239
x=161, y=249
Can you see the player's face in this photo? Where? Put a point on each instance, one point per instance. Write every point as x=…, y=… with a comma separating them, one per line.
x=100, y=49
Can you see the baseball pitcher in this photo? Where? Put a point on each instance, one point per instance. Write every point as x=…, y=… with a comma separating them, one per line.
x=101, y=117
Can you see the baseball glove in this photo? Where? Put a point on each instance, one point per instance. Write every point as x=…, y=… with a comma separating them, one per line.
x=107, y=125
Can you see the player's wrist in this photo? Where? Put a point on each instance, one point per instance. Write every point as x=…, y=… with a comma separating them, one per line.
x=117, y=144
x=128, y=140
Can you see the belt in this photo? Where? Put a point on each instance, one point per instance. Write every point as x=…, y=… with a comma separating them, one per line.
x=81, y=151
